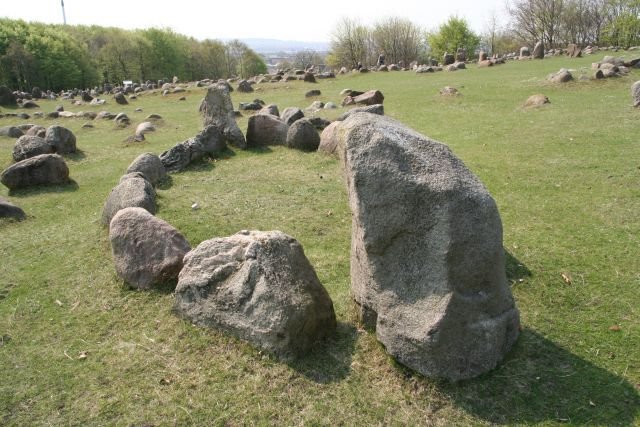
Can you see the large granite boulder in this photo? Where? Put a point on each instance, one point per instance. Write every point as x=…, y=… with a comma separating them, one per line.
x=270, y=109
x=370, y=97
x=150, y=166
x=147, y=251
x=7, y=97
x=133, y=191
x=45, y=169
x=245, y=87
x=427, y=261
x=11, y=132
x=120, y=98
x=291, y=114
x=207, y=143
x=217, y=110
x=61, y=139
x=258, y=286
x=265, y=129
x=635, y=93
x=329, y=140
x=525, y=52
x=562, y=76
x=37, y=130
x=9, y=210
x=30, y=146
x=302, y=135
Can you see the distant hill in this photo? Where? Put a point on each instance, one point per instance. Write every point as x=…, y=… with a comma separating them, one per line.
x=273, y=45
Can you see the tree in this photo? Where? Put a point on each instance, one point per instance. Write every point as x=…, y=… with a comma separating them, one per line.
x=454, y=34
x=399, y=39
x=534, y=20
x=349, y=43
x=306, y=58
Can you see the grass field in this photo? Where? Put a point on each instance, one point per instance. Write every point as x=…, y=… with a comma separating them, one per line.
x=79, y=348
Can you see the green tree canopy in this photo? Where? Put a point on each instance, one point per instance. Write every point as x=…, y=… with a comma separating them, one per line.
x=450, y=36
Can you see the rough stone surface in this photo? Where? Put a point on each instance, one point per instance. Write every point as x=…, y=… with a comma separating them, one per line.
x=561, y=76
x=217, y=110
x=129, y=193
x=370, y=97
x=9, y=210
x=309, y=78
x=11, y=132
x=37, y=130
x=449, y=91
x=147, y=251
x=245, y=87
x=312, y=93
x=525, y=52
x=265, y=129
x=120, y=98
x=291, y=114
x=258, y=286
x=45, y=169
x=448, y=59
x=427, y=261
x=150, y=166
x=302, y=135
x=30, y=146
x=61, y=139
x=536, y=101
x=635, y=93
x=538, y=50
x=144, y=128
x=574, y=51
x=208, y=143
x=329, y=140
x=270, y=109
x=373, y=109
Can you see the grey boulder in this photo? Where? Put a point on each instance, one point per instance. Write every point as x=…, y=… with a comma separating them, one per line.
x=135, y=191
x=373, y=109
x=291, y=114
x=147, y=251
x=45, y=169
x=265, y=129
x=302, y=135
x=208, y=143
x=30, y=146
x=150, y=166
x=61, y=139
x=11, y=132
x=635, y=93
x=217, y=110
x=9, y=210
x=427, y=261
x=258, y=286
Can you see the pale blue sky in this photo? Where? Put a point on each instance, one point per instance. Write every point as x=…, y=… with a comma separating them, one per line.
x=297, y=20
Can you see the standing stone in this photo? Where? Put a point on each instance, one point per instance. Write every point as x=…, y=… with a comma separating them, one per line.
x=150, y=166
x=329, y=140
x=291, y=114
x=11, y=132
x=207, y=143
x=303, y=135
x=36, y=92
x=309, y=77
x=265, y=129
x=61, y=139
x=270, y=109
x=574, y=51
x=524, y=52
x=9, y=210
x=120, y=98
x=427, y=261
x=635, y=93
x=482, y=56
x=245, y=87
x=448, y=59
x=30, y=146
x=147, y=251
x=538, y=50
x=217, y=110
x=461, y=54
x=45, y=169
x=135, y=191
x=258, y=286
x=7, y=98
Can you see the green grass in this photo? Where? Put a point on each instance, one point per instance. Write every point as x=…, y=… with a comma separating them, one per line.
x=566, y=178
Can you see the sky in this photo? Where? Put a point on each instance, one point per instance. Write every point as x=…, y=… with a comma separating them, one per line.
x=225, y=19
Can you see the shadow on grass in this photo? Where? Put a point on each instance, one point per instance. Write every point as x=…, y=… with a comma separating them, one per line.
x=516, y=270
x=540, y=382
x=329, y=361
x=263, y=149
x=166, y=183
x=77, y=156
x=45, y=189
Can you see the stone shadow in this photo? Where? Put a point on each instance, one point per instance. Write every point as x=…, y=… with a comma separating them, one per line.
x=541, y=382
x=263, y=149
x=45, y=189
x=166, y=183
x=329, y=361
x=516, y=270
x=77, y=156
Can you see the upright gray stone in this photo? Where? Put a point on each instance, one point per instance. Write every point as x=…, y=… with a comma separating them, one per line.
x=150, y=166
x=525, y=52
x=538, y=50
x=30, y=146
x=217, y=110
x=7, y=98
x=132, y=192
x=11, y=132
x=302, y=135
x=258, y=286
x=147, y=251
x=265, y=129
x=45, y=169
x=61, y=139
x=427, y=261
x=120, y=98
